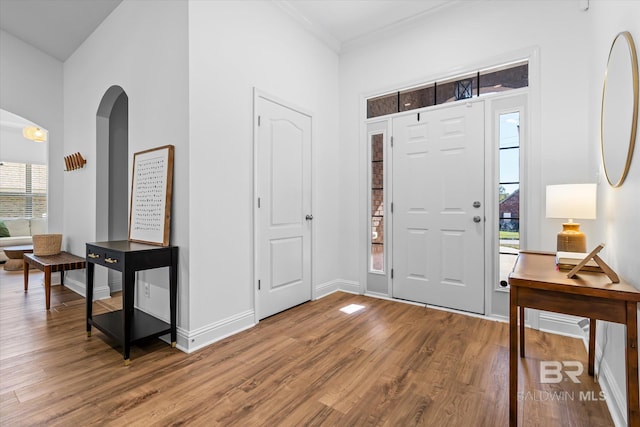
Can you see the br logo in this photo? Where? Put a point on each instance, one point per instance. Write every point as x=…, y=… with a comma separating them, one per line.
x=551, y=372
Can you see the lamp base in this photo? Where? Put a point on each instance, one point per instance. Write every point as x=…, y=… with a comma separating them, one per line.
x=571, y=239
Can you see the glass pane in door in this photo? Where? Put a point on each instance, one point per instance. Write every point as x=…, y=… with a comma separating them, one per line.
x=509, y=192
x=376, y=263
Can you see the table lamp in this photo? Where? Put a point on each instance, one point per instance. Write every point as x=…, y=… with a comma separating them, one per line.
x=571, y=201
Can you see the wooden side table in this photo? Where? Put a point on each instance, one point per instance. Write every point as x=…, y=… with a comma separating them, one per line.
x=14, y=255
x=51, y=264
x=536, y=283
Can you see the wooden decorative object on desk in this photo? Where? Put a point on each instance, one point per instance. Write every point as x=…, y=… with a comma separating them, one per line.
x=74, y=161
x=568, y=260
x=603, y=265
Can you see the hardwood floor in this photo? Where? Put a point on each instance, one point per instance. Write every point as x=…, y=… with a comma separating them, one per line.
x=390, y=364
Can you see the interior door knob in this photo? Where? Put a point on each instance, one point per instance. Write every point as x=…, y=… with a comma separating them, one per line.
x=308, y=217
x=477, y=219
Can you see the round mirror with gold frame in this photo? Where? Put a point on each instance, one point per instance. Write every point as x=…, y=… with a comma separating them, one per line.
x=619, y=113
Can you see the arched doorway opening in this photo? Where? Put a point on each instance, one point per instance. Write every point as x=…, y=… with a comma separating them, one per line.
x=24, y=177
x=112, y=170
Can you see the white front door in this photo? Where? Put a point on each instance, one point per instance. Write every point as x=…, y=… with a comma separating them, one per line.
x=283, y=207
x=438, y=217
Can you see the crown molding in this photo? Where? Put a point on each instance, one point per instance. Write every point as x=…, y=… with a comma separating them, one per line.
x=308, y=24
x=396, y=27
x=339, y=46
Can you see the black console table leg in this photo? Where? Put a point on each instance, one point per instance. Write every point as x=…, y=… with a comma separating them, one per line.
x=173, y=295
x=127, y=305
x=89, y=296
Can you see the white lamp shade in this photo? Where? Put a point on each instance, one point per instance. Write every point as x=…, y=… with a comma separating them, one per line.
x=571, y=201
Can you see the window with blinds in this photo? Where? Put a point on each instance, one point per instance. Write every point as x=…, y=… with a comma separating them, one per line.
x=23, y=190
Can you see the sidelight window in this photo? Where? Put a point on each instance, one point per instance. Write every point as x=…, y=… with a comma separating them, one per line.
x=377, y=203
x=509, y=192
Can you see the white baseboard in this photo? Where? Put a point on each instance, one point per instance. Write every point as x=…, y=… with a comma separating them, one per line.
x=115, y=286
x=99, y=292
x=560, y=324
x=326, y=288
x=615, y=397
x=379, y=295
x=351, y=286
x=190, y=341
x=332, y=286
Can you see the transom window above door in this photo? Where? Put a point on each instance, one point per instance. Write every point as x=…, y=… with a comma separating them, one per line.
x=497, y=79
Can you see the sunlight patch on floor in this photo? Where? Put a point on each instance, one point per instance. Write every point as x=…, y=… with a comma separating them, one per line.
x=351, y=308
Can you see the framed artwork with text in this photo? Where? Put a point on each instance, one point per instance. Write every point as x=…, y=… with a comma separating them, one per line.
x=151, y=191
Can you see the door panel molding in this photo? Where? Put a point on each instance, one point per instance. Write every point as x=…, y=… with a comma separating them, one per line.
x=282, y=199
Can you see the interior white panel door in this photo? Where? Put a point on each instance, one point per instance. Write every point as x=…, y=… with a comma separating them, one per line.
x=283, y=214
x=438, y=246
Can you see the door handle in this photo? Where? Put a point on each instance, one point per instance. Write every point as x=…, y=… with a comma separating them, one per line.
x=477, y=219
x=308, y=217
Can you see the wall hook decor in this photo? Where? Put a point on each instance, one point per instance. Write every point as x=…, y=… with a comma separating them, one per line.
x=74, y=161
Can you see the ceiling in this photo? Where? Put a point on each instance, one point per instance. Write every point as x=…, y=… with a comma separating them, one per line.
x=12, y=121
x=58, y=27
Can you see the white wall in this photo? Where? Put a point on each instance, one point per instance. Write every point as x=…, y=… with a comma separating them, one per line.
x=31, y=87
x=618, y=207
x=142, y=47
x=234, y=48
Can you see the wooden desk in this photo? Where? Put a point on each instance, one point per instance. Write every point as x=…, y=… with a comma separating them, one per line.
x=536, y=283
x=50, y=264
x=130, y=324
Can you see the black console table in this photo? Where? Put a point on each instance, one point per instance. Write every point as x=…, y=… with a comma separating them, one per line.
x=130, y=324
